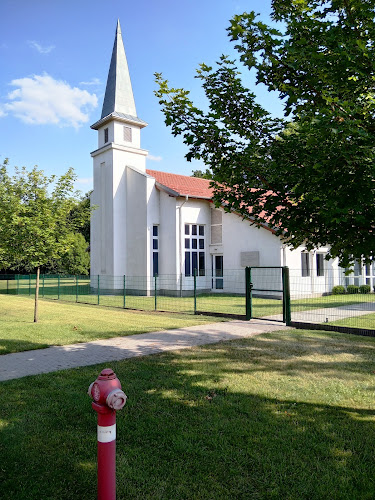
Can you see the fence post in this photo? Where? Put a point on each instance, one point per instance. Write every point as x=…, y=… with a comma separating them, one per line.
x=58, y=287
x=249, y=286
x=18, y=283
x=43, y=286
x=156, y=292
x=124, y=291
x=29, y=284
x=98, y=289
x=7, y=286
x=76, y=288
x=287, y=316
x=195, y=291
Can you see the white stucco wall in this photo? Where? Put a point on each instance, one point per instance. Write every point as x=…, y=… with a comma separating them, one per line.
x=116, y=134
x=136, y=223
x=102, y=217
x=240, y=236
x=168, y=250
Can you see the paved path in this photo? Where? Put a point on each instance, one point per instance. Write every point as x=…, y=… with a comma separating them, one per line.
x=99, y=351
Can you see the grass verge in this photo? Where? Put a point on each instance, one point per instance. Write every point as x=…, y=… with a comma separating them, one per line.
x=61, y=323
x=281, y=415
x=367, y=321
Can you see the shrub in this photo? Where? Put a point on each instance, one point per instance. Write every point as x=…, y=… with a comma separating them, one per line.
x=338, y=290
x=352, y=289
x=364, y=289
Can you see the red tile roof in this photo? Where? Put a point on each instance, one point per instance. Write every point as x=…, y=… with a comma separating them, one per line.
x=194, y=187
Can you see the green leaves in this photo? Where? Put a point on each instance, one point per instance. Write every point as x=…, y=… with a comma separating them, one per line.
x=312, y=177
x=36, y=220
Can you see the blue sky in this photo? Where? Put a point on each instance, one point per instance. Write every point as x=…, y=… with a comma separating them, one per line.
x=55, y=58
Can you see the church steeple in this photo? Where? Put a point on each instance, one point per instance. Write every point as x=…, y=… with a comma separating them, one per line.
x=118, y=93
x=118, y=99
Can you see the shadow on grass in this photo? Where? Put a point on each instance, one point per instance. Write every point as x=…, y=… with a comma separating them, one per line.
x=9, y=346
x=200, y=424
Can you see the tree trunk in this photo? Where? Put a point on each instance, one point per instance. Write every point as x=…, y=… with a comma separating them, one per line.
x=36, y=295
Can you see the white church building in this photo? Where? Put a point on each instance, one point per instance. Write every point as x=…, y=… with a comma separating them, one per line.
x=149, y=223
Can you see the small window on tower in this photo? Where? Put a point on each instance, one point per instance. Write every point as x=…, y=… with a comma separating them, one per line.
x=105, y=135
x=127, y=134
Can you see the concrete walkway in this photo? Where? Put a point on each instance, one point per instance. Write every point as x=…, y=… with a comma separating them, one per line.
x=64, y=357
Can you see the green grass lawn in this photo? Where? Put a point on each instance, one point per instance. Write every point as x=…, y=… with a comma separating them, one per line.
x=286, y=415
x=62, y=323
x=367, y=321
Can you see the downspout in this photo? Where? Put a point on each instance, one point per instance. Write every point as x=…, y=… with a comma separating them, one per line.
x=180, y=239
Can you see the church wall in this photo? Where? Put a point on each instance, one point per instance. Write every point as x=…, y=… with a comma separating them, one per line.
x=245, y=245
x=136, y=223
x=135, y=135
x=119, y=214
x=168, y=249
x=196, y=211
x=239, y=236
x=102, y=218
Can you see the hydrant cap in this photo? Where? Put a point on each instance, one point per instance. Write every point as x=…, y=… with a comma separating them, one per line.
x=107, y=374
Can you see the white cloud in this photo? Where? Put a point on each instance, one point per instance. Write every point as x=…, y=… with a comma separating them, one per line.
x=93, y=81
x=42, y=50
x=154, y=158
x=43, y=100
x=2, y=112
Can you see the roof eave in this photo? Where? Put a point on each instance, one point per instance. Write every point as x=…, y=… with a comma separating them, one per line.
x=115, y=116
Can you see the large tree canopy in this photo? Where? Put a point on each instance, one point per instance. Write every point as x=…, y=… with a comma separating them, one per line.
x=311, y=173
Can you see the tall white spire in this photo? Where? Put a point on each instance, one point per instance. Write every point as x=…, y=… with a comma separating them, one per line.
x=119, y=93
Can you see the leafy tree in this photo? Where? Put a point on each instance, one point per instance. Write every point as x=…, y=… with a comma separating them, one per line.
x=35, y=223
x=81, y=209
x=76, y=260
x=309, y=174
x=202, y=175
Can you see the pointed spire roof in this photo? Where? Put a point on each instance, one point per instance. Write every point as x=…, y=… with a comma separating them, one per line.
x=118, y=93
x=118, y=99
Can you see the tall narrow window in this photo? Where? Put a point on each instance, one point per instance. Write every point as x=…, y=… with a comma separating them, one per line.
x=320, y=264
x=155, y=250
x=357, y=268
x=105, y=135
x=305, y=264
x=195, y=257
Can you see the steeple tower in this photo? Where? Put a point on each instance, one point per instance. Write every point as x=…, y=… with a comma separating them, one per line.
x=118, y=93
x=119, y=99
x=117, y=161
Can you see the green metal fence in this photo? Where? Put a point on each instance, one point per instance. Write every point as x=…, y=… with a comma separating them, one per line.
x=334, y=300
x=224, y=294
x=273, y=293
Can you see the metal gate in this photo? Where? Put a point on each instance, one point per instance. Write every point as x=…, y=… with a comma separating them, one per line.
x=268, y=293
x=253, y=292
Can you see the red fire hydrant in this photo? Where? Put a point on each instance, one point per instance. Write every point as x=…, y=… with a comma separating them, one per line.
x=108, y=397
